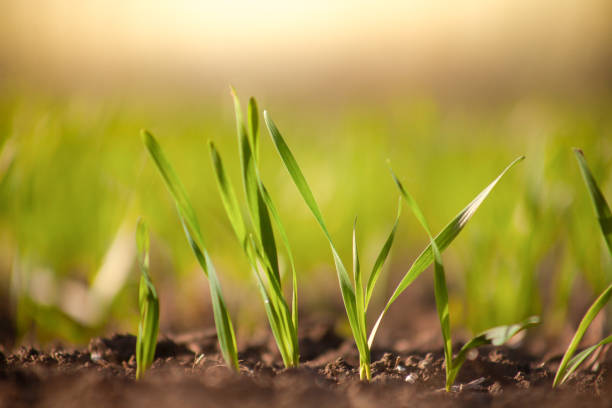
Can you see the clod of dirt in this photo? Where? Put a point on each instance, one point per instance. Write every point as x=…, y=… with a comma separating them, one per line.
x=120, y=348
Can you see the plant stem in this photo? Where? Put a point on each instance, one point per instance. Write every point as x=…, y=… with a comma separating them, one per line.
x=364, y=369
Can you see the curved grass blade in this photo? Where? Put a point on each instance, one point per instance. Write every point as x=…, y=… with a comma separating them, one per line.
x=148, y=304
x=257, y=208
x=228, y=196
x=440, y=290
x=253, y=120
x=262, y=246
x=566, y=364
x=281, y=231
x=381, y=258
x=442, y=240
x=604, y=215
x=495, y=336
x=583, y=355
x=346, y=289
x=225, y=329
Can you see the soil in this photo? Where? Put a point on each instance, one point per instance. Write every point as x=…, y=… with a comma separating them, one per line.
x=188, y=372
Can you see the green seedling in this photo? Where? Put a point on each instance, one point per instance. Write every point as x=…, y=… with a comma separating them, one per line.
x=570, y=363
x=496, y=336
x=148, y=303
x=355, y=299
x=258, y=240
x=187, y=216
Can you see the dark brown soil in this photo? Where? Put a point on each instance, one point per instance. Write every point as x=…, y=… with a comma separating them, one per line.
x=188, y=373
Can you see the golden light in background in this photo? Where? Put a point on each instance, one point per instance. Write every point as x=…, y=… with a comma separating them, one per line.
x=261, y=39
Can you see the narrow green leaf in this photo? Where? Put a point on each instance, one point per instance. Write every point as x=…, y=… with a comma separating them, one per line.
x=443, y=240
x=225, y=330
x=588, y=318
x=228, y=197
x=346, y=289
x=602, y=209
x=440, y=290
x=495, y=336
x=357, y=278
x=282, y=233
x=148, y=303
x=381, y=258
x=253, y=118
x=257, y=208
x=583, y=355
x=260, y=247
x=604, y=216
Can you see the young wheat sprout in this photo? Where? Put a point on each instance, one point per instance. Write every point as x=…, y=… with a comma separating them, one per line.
x=148, y=303
x=356, y=300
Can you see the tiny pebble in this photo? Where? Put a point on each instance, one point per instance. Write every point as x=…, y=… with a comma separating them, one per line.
x=400, y=368
x=472, y=354
x=411, y=378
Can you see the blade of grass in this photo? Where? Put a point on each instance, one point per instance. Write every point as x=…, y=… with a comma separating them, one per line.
x=495, y=336
x=602, y=210
x=228, y=196
x=257, y=208
x=253, y=125
x=148, y=304
x=253, y=120
x=364, y=366
x=382, y=257
x=599, y=303
x=272, y=304
x=225, y=330
x=346, y=289
x=440, y=291
x=260, y=216
x=604, y=216
x=281, y=231
x=583, y=355
x=443, y=239
x=261, y=247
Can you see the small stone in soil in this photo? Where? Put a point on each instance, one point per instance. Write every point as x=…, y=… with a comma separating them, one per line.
x=426, y=361
x=495, y=388
x=411, y=378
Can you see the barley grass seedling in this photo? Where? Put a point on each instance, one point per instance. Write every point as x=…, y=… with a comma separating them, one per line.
x=570, y=363
x=355, y=299
x=496, y=336
x=148, y=304
x=258, y=240
x=191, y=227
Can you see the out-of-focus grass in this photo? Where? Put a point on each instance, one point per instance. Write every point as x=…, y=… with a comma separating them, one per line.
x=79, y=172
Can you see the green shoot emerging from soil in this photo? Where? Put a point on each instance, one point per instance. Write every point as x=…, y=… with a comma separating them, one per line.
x=495, y=336
x=258, y=241
x=187, y=216
x=355, y=299
x=570, y=362
x=148, y=303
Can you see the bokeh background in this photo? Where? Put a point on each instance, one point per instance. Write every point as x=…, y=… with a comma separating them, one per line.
x=449, y=92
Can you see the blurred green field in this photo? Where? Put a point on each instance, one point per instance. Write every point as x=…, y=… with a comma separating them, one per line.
x=75, y=177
